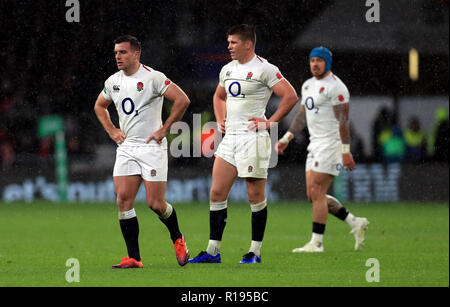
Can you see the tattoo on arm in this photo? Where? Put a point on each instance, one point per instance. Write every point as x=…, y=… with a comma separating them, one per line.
x=341, y=112
x=299, y=122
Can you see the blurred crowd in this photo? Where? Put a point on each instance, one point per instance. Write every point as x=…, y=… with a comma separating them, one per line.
x=54, y=67
x=390, y=143
x=413, y=144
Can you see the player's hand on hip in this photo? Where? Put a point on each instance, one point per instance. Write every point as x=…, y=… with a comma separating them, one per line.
x=258, y=123
x=158, y=136
x=348, y=162
x=281, y=147
x=117, y=136
x=221, y=126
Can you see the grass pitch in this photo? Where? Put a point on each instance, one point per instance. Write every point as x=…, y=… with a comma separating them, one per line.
x=409, y=240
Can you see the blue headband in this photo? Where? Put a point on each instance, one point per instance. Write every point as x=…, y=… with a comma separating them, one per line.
x=323, y=53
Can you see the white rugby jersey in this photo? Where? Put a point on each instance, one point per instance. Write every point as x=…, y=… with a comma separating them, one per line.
x=248, y=87
x=319, y=96
x=138, y=99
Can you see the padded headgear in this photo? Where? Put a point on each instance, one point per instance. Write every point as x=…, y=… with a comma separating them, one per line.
x=323, y=53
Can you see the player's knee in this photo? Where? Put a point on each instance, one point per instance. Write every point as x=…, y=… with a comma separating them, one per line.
x=124, y=202
x=156, y=205
x=255, y=197
x=216, y=195
x=308, y=193
x=315, y=192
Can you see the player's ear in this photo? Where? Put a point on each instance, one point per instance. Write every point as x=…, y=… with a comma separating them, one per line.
x=137, y=54
x=248, y=44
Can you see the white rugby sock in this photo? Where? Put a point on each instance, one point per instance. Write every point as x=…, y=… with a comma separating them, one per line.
x=350, y=220
x=213, y=247
x=255, y=247
x=317, y=238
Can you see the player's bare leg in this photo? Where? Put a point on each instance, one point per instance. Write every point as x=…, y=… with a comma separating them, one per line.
x=317, y=185
x=156, y=199
x=358, y=225
x=257, y=197
x=223, y=176
x=126, y=189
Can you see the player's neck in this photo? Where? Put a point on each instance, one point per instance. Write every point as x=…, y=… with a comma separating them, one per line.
x=132, y=70
x=247, y=58
x=323, y=76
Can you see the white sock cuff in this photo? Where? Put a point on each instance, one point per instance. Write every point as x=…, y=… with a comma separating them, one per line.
x=259, y=206
x=218, y=206
x=126, y=215
x=168, y=211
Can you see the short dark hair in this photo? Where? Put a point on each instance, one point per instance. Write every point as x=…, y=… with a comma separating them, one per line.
x=245, y=32
x=134, y=43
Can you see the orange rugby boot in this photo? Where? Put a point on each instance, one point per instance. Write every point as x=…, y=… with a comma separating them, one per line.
x=181, y=251
x=128, y=263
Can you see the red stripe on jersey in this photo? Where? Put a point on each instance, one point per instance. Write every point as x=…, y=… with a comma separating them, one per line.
x=333, y=77
x=260, y=59
x=146, y=67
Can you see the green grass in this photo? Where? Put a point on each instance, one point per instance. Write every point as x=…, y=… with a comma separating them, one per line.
x=410, y=241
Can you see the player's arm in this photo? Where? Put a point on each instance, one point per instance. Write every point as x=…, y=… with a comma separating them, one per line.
x=341, y=112
x=286, y=92
x=220, y=110
x=180, y=104
x=297, y=126
x=101, y=110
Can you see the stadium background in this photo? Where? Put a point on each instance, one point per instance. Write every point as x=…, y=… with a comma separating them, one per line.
x=50, y=67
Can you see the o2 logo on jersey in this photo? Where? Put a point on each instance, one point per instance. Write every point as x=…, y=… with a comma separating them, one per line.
x=309, y=104
x=235, y=89
x=128, y=106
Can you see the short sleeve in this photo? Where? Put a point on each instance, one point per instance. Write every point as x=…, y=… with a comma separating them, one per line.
x=339, y=94
x=271, y=75
x=160, y=83
x=302, y=98
x=107, y=91
x=222, y=77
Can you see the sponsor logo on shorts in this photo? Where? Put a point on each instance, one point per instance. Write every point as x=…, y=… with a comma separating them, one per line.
x=250, y=168
x=153, y=173
x=316, y=164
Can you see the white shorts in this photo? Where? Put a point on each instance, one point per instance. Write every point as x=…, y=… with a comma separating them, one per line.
x=325, y=157
x=148, y=161
x=249, y=153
